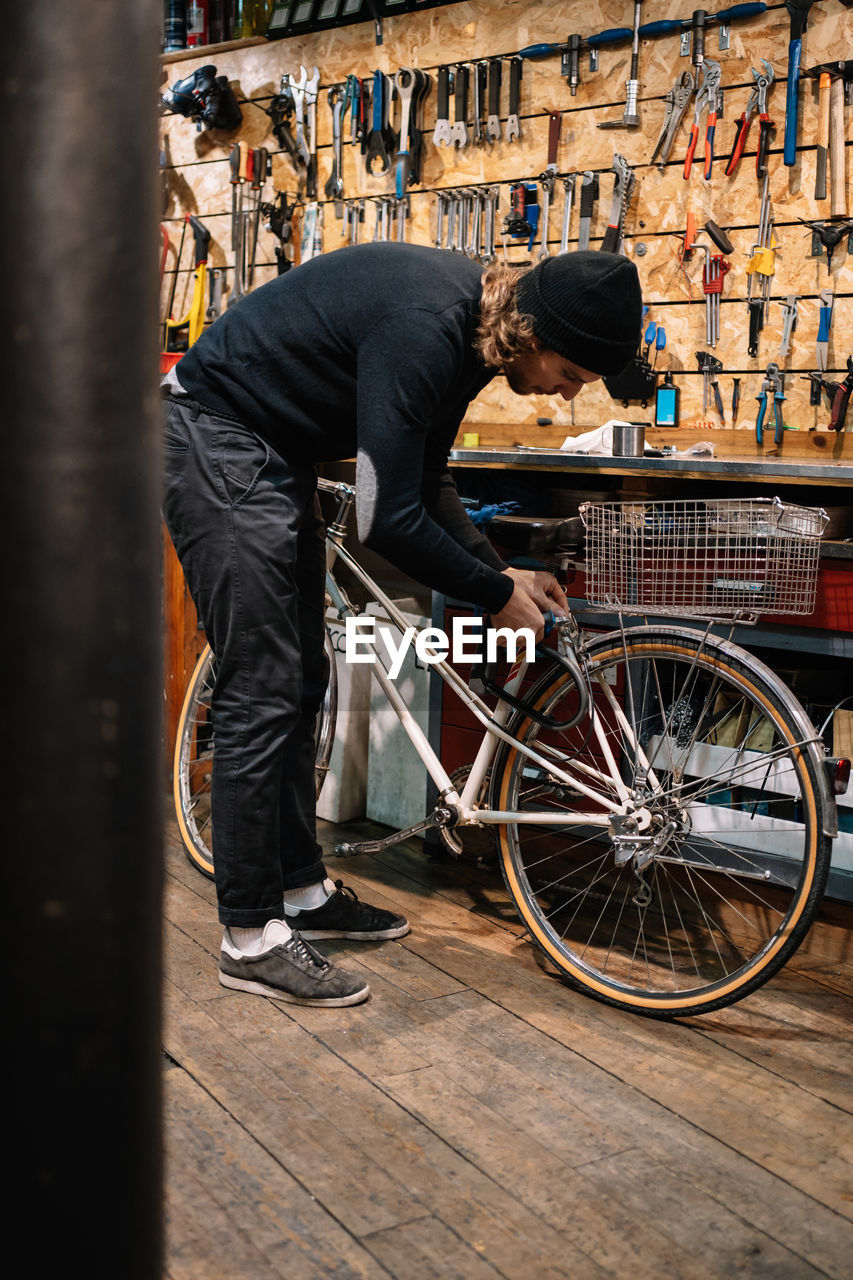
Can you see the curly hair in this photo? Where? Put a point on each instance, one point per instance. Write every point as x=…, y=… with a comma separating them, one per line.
x=503, y=334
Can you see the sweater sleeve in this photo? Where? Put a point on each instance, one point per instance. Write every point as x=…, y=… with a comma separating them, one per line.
x=443, y=503
x=409, y=367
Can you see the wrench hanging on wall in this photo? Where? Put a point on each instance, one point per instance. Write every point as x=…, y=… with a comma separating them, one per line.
x=789, y=324
x=481, y=78
x=568, y=195
x=334, y=187
x=491, y=197
x=513, y=122
x=623, y=188
x=589, y=195
x=377, y=149
x=493, y=121
x=404, y=84
x=442, y=135
x=548, y=178
x=459, y=132
x=423, y=83
x=304, y=93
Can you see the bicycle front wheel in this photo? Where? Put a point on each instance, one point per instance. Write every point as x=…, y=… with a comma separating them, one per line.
x=707, y=880
x=194, y=746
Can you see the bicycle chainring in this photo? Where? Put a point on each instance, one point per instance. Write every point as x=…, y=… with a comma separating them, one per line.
x=475, y=845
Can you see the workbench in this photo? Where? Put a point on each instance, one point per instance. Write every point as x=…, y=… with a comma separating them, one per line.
x=744, y=467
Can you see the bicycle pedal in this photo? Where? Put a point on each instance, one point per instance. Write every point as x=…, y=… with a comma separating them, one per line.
x=352, y=850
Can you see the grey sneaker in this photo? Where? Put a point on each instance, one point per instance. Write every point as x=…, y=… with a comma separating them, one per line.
x=344, y=915
x=293, y=972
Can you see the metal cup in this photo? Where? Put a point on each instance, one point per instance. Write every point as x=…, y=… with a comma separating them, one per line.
x=629, y=439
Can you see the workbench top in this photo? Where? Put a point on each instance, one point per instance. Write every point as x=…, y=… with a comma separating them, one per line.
x=746, y=467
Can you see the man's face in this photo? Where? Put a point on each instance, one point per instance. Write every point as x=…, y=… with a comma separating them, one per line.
x=544, y=373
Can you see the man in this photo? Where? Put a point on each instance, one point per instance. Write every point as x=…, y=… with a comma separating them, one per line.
x=374, y=351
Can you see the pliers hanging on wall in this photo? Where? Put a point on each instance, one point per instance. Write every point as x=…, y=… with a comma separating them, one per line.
x=708, y=95
x=677, y=102
x=757, y=99
x=772, y=382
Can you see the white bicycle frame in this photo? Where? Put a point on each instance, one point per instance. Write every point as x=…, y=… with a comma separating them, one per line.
x=492, y=721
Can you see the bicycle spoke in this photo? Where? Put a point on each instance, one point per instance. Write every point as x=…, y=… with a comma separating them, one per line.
x=745, y=888
x=660, y=874
x=737, y=773
x=581, y=893
x=707, y=919
x=615, y=929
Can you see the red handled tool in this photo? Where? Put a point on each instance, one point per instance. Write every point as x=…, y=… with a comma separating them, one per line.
x=757, y=99
x=841, y=399
x=708, y=96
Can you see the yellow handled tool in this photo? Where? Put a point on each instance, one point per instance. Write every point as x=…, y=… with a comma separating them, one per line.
x=193, y=321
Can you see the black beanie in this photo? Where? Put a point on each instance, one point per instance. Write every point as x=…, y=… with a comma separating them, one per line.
x=586, y=306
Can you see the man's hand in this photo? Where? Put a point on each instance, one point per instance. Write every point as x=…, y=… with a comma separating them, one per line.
x=534, y=593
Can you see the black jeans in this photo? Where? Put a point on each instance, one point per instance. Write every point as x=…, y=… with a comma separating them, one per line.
x=247, y=529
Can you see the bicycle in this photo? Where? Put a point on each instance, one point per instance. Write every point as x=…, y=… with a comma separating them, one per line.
x=664, y=806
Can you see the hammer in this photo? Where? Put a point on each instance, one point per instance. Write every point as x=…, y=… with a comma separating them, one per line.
x=834, y=84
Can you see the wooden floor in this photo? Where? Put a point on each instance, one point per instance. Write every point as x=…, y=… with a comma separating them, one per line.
x=477, y=1119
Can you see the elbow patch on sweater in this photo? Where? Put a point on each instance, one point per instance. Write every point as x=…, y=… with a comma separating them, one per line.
x=366, y=491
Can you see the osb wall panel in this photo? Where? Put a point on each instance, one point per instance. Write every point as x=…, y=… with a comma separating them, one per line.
x=197, y=179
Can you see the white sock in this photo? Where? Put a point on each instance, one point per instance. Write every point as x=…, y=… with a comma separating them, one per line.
x=308, y=898
x=251, y=942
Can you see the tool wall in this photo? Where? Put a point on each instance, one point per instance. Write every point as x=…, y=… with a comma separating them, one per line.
x=504, y=190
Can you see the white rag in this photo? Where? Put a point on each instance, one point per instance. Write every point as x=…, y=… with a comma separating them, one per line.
x=600, y=440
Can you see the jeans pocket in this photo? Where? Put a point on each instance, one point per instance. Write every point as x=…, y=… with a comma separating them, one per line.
x=175, y=438
x=242, y=457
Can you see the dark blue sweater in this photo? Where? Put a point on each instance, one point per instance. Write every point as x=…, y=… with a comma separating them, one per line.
x=366, y=352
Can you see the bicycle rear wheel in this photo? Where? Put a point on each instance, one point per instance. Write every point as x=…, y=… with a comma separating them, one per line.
x=711, y=899
x=194, y=746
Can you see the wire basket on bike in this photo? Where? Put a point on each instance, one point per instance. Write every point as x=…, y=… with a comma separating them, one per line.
x=707, y=558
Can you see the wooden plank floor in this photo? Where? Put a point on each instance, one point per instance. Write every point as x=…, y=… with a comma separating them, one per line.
x=477, y=1119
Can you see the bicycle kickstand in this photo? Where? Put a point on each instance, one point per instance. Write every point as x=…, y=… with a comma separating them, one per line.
x=441, y=816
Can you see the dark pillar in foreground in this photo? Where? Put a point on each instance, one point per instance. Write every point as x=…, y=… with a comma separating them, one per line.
x=81, y=689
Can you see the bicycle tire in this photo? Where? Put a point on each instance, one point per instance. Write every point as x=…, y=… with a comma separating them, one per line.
x=725, y=912
x=194, y=747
